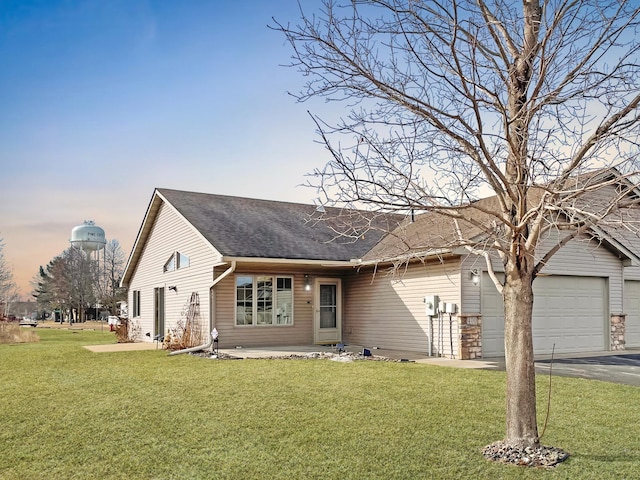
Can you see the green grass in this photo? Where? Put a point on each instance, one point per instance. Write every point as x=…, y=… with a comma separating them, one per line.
x=70, y=413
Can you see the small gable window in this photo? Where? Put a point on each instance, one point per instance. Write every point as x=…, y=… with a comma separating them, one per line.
x=176, y=261
x=183, y=260
x=170, y=266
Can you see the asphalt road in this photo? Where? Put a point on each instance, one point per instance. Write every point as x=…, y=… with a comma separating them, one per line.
x=619, y=368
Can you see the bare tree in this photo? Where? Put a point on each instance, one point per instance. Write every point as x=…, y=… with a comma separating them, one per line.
x=449, y=102
x=82, y=274
x=67, y=283
x=109, y=290
x=8, y=289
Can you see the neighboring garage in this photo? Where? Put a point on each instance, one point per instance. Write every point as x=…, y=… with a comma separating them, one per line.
x=632, y=309
x=570, y=312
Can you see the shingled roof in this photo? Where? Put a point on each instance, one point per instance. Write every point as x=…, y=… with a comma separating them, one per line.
x=247, y=228
x=435, y=233
x=432, y=233
x=252, y=228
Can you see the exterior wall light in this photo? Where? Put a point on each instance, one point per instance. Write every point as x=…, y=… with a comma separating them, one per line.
x=474, y=276
x=307, y=283
x=174, y=288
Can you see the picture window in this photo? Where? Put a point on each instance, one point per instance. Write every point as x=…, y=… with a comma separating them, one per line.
x=264, y=300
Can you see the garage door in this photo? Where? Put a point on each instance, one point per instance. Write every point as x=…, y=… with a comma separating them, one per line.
x=632, y=309
x=569, y=312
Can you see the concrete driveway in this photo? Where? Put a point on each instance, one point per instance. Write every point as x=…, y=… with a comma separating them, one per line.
x=621, y=368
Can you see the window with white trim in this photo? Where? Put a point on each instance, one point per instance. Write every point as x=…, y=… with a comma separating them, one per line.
x=136, y=303
x=176, y=261
x=264, y=300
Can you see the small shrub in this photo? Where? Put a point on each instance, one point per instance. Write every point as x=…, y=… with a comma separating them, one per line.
x=122, y=331
x=14, y=333
x=135, y=331
x=183, y=335
x=188, y=331
x=127, y=331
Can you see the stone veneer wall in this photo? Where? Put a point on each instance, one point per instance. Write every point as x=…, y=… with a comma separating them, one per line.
x=618, y=331
x=469, y=336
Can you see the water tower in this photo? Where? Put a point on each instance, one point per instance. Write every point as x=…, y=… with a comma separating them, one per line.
x=88, y=237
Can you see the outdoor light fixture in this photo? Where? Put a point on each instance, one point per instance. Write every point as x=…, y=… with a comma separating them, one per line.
x=474, y=276
x=174, y=288
x=307, y=283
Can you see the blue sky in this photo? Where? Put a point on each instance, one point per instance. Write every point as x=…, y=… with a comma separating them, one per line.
x=102, y=101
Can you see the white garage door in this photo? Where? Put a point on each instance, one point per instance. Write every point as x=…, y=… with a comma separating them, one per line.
x=569, y=312
x=632, y=309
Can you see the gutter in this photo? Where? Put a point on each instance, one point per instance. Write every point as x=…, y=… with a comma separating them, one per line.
x=438, y=253
x=226, y=273
x=204, y=346
x=292, y=261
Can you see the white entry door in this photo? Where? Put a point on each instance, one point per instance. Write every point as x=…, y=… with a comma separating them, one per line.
x=328, y=311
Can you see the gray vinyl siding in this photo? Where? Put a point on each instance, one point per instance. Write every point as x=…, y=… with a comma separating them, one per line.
x=470, y=292
x=580, y=257
x=584, y=257
x=232, y=335
x=170, y=233
x=628, y=237
x=633, y=272
x=389, y=312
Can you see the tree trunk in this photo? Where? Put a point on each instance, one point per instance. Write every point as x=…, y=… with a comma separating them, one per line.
x=522, y=427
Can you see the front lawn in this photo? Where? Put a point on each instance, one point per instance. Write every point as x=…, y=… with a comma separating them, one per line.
x=70, y=413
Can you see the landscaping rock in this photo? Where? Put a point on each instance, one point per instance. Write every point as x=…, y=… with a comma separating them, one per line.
x=336, y=357
x=543, y=456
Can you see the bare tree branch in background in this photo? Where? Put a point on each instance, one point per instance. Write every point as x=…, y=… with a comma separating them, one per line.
x=67, y=284
x=108, y=289
x=8, y=288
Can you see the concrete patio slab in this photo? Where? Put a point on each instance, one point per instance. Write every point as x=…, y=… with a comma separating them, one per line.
x=122, y=347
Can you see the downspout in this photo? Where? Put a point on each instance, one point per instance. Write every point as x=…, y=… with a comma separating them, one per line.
x=226, y=273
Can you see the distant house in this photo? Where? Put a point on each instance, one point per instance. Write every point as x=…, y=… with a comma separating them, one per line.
x=273, y=274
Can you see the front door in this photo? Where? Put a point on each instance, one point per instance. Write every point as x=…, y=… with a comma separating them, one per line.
x=328, y=311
